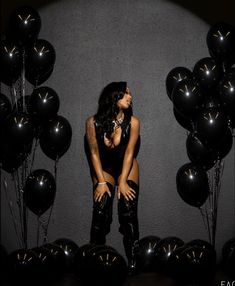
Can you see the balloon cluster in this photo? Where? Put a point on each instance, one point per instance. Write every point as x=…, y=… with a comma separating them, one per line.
x=42, y=264
x=92, y=264
x=26, y=120
x=190, y=262
x=102, y=265
x=22, y=47
x=204, y=104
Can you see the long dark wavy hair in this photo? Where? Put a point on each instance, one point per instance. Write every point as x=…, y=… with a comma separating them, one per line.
x=108, y=109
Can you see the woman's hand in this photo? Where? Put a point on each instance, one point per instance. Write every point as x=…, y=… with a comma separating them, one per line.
x=100, y=191
x=125, y=190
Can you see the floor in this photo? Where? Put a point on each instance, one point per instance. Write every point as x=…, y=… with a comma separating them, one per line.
x=144, y=279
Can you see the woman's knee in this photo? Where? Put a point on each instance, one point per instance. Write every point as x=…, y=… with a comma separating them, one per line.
x=106, y=201
x=127, y=205
x=135, y=186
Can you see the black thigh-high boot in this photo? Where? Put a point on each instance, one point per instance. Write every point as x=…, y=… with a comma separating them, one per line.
x=102, y=217
x=129, y=226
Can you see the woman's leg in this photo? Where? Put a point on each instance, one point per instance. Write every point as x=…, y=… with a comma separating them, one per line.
x=102, y=213
x=128, y=218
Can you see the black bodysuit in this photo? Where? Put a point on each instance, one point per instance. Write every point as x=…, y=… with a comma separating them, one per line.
x=112, y=158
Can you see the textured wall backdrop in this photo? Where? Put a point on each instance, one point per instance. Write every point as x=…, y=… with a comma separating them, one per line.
x=138, y=41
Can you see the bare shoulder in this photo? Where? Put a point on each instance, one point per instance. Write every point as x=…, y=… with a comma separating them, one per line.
x=135, y=121
x=90, y=120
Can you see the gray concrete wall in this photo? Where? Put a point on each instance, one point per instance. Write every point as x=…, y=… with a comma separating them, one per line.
x=138, y=41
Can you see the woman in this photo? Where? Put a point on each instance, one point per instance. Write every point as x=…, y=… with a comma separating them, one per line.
x=113, y=138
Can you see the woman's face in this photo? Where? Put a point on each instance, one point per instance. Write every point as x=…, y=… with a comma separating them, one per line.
x=126, y=101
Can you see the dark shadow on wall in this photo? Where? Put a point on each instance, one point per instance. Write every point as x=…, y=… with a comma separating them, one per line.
x=211, y=11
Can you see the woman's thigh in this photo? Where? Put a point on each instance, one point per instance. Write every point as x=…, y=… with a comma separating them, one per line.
x=134, y=173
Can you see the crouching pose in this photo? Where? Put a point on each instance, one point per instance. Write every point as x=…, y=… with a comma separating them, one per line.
x=113, y=140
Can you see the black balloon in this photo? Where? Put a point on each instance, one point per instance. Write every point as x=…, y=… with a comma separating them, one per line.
x=19, y=128
x=23, y=265
x=227, y=92
x=44, y=103
x=59, y=260
x=146, y=258
x=228, y=247
x=40, y=59
x=185, y=122
x=10, y=62
x=187, y=98
x=225, y=145
x=228, y=257
x=212, y=125
x=199, y=264
x=84, y=256
x=107, y=267
x=192, y=184
x=203, y=244
x=25, y=24
x=229, y=264
x=221, y=41
x=5, y=107
x=37, y=80
x=12, y=155
x=70, y=249
x=207, y=73
x=165, y=248
x=39, y=191
x=176, y=75
x=56, y=137
x=198, y=153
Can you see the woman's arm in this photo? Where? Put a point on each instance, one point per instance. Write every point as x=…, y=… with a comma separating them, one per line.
x=95, y=158
x=129, y=154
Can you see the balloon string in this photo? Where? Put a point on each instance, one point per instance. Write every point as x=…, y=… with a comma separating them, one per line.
x=12, y=213
x=217, y=179
x=24, y=210
x=208, y=225
x=15, y=97
x=51, y=209
x=23, y=79
x=18, y=201
x=11, y=95
x=210, y=198
x=17, y=186
x=206, y=220
x=203, y=219
x=33, y=155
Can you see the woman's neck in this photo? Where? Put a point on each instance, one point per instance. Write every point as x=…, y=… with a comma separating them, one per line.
x=120, y=115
